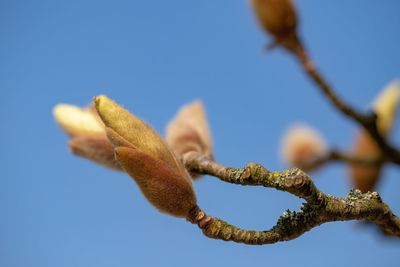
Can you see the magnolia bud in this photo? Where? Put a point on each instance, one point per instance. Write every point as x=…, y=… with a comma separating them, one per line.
x=385, y=105
x=160, y=183
x=76, y=121
x=88, y=136
x=365, y=177
x=143, y=155
x=189, y=131
x=278, y=18
x=302, y=145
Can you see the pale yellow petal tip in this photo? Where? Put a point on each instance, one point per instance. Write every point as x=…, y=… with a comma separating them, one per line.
x=302, y=144
x=76, y=121
x=195, y=107
x=389, y=94
x=106, y=108
x=385, y=106
x=196, y=104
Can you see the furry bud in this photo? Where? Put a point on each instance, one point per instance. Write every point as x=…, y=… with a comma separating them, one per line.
x=302, y=145
x=278, y=18
x=133, y=130
x=147, y=159
x=88, y=136
x=76, y=121
x=385, y=105
x=161, y=184
x=189, y=131
x=365, y=177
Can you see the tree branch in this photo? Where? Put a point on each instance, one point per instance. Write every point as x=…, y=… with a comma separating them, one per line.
x=367, y=121
x=319, y=207
x=339, y=156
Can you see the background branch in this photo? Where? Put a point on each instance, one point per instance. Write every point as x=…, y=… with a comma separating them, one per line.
x=340, y=156
x=367, y=121
x=318, y=209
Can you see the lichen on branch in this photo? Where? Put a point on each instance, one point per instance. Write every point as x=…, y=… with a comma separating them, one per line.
x=319, y=207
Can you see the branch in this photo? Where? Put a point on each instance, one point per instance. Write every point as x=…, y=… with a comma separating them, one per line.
x=339, y=156
x=367, y=121
x=319, y=207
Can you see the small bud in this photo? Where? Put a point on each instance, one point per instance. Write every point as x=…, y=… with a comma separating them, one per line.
x=88, y=136
x=77, y=121
x=95, y=148
x=143, y=154
x=365, y=177
x=302, y=145
x=189, y=131
x=385, y=106
x=279, y=18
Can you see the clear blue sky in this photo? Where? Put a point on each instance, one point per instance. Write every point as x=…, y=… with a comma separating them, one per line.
x=152, y=57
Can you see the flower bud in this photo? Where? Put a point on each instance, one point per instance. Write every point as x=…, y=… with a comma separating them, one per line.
x=365, y=177
x=76, y=121
x=160, y=183
x=278, y=18
x=385, y=106
x=88, y=136
x=302, y=145
x=147, y=159
x=189, y=131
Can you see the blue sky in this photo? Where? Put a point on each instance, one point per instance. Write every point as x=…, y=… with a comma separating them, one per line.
x=152, y=57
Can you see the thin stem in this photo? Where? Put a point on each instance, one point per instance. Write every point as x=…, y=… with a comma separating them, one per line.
x=340, y=156
x=367, y=121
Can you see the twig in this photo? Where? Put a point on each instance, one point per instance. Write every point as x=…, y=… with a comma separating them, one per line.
x=318, y=209
x=340, y=156
x=367, y=121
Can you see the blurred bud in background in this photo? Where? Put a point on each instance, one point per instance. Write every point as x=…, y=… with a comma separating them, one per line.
x=385, y=106
x=365, y=177
x=88, y=136
x=143, y=154
x=76, y=121
x=302, y=145
x=189, y=131
x=279, y=19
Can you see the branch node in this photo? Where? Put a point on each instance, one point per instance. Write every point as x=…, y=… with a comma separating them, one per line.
x=199, y=217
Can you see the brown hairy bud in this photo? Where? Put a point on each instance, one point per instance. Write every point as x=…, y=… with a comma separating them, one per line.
x=385, y=105
x=95, y=148
x=278, y=18
x=143, y=154
x=162, y=185
x=189, y=131
x=88, y=136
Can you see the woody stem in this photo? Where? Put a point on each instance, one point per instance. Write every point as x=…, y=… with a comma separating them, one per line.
x=319, y=208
